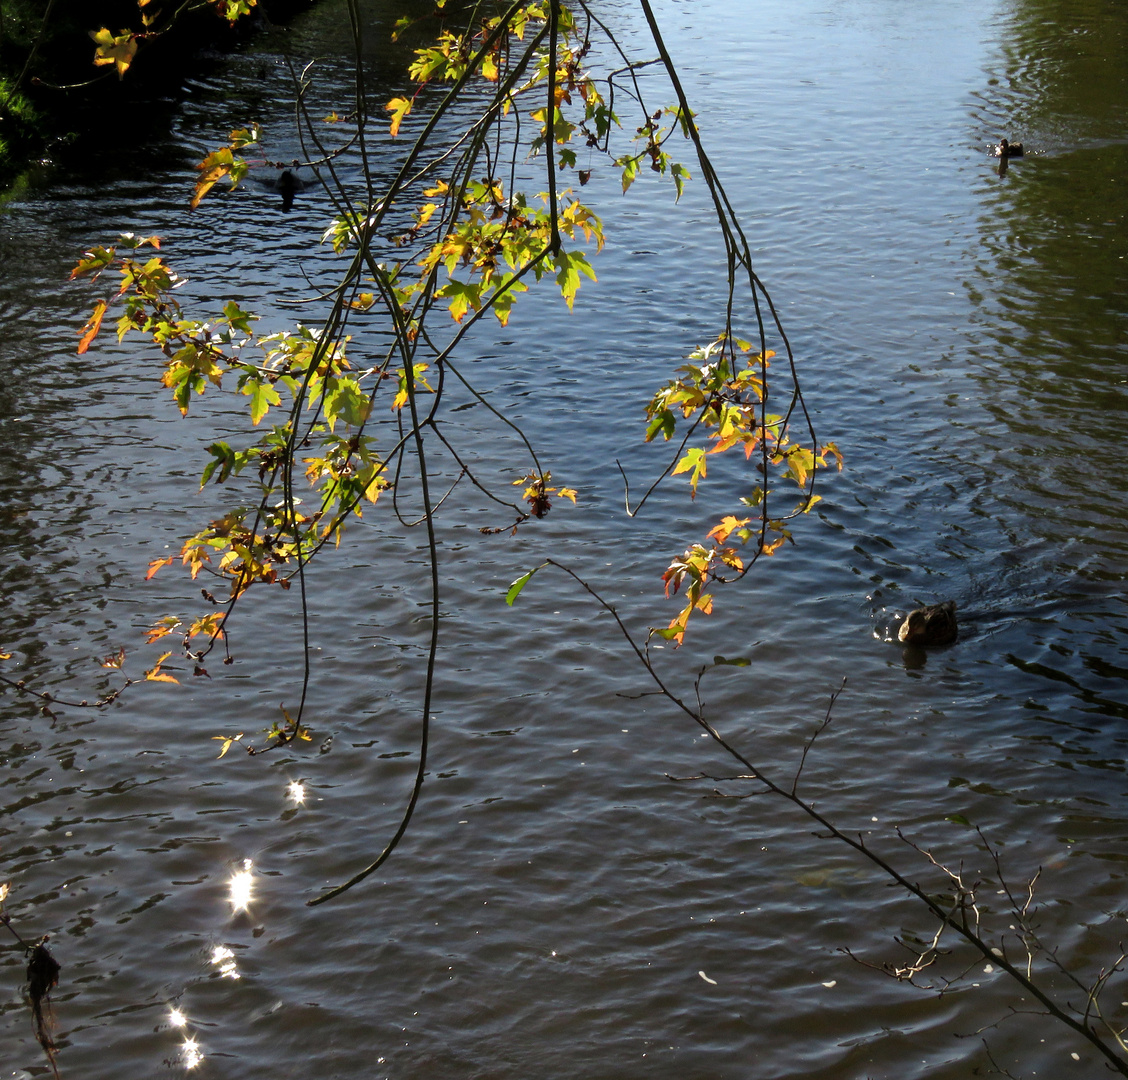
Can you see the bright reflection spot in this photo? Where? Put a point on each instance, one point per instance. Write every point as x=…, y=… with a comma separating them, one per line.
x=192, y=1055
x=224, y=959
x=240, y=886
x=296, y=792
x=176, y=1018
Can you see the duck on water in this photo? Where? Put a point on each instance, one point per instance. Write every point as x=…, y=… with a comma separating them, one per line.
x=287, y=183
x=934, y=624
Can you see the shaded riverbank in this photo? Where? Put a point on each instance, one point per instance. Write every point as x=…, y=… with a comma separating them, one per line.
x=54, y=100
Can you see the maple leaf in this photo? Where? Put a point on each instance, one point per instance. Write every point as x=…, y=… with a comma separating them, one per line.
x=118, y=51
x=90, y=330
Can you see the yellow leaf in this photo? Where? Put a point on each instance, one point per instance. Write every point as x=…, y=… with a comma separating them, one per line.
x=399, y=108
x=118, y=51
x=212, y=625
x=116, y=660
x=227, y=742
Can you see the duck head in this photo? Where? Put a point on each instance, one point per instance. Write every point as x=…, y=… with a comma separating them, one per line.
x=931, y=625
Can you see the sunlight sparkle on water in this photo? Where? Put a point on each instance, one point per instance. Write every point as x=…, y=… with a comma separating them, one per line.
x=241, y=887
x=224, y=959
x=176, y=1018
x=192, y=1055
x=296, y=792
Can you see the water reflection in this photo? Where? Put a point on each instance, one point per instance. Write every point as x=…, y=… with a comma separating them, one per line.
x=191, y=1054
x=1049, y=350
x=241, y=886
x=223, y=958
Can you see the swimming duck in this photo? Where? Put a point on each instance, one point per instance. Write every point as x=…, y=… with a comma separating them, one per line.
x=287, y=185
x=1006, y=149
x=931, y=625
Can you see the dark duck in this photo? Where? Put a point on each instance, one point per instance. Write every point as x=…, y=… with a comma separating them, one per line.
x=1008, y=149
x=931, y=625
x=286, y=186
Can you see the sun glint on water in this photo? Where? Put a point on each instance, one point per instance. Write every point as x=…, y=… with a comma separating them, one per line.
x=240, y=885
x=192, y=1055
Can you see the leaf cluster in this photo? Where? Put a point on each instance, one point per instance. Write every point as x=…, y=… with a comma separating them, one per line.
x=721, y=393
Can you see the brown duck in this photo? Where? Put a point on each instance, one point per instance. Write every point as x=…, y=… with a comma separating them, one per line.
x=931, y=625
x=1007, y=149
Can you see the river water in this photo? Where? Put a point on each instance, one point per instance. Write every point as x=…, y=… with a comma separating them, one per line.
x=560, y=907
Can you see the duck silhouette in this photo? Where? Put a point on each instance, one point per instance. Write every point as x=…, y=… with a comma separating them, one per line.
x=934, y=624
x=287, y=185
x=1008, y=150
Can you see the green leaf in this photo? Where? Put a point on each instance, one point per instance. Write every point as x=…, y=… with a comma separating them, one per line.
x=663, y=422
x=345, y=400
x=519, y=584
x=736, y=661
x=694, y=463
x=463, y=296
x=262, y=396
x=237, y=317
x=224, y=461
x=569, y=265
x=958, y=819
x=681, y=175
x=630, y=172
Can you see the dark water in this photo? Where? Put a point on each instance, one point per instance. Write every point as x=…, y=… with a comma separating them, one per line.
x=963, y=337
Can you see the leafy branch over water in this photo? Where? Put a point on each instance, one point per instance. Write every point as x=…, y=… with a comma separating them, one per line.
x=469, y=240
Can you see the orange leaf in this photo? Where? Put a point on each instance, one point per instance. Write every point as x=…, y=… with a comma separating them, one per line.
x=158, y=630
x=154, y=674
x=90, y=330
x=720, y=532
x=207, y=182
x=156, y=564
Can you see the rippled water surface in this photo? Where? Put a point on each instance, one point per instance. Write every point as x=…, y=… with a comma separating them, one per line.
x=560, y=907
